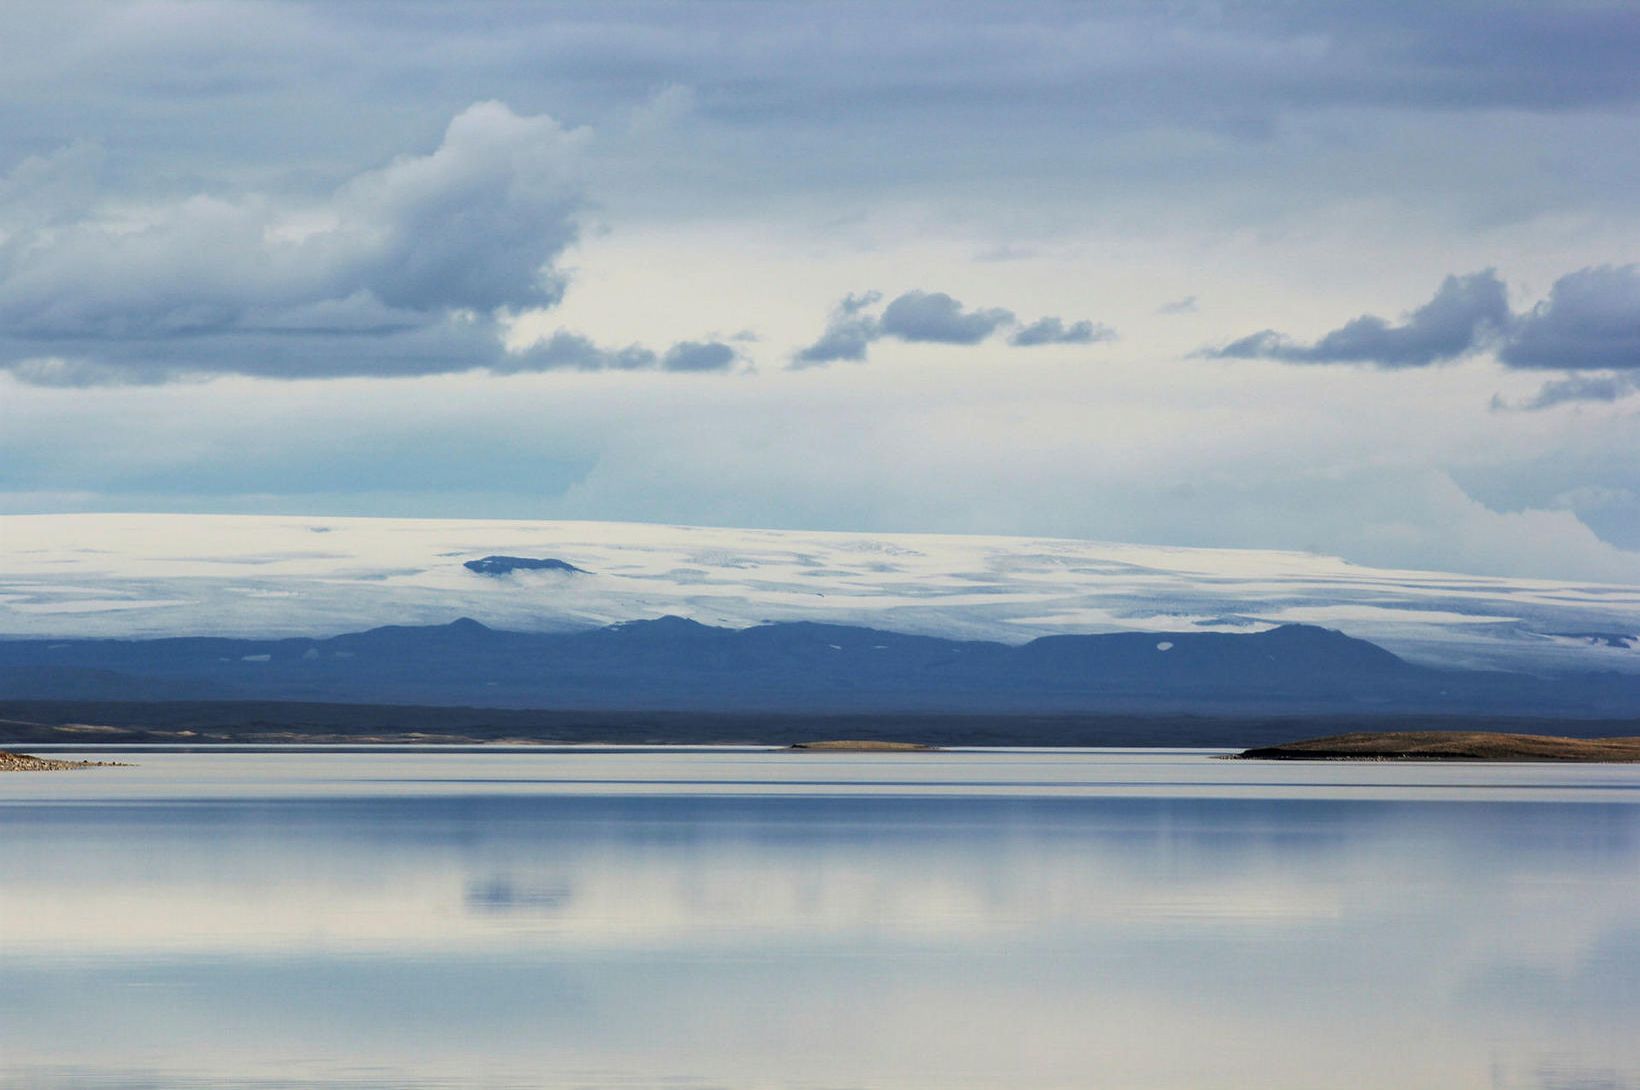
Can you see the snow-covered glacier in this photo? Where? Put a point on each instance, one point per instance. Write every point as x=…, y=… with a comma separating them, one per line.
x=163, y=575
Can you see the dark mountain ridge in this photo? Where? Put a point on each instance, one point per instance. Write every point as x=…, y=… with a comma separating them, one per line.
x=676, y=663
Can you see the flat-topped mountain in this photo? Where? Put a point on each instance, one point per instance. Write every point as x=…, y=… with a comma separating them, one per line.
x=506, y=565
x=672, y=662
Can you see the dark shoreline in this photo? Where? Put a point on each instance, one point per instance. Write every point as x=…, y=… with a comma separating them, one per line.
x=205, y=723
x=1451, y=746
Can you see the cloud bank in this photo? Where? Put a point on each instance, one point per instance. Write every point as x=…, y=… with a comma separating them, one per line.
x=411, y=268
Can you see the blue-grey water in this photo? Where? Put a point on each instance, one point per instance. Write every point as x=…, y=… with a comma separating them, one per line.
x=739, y=919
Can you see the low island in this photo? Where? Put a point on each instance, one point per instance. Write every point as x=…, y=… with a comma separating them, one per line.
x=852, y=745
x=1449, y=746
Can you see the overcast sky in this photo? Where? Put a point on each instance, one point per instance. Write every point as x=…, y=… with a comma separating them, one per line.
x=1356, y=278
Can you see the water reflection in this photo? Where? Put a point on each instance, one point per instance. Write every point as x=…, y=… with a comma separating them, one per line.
x=348, y=930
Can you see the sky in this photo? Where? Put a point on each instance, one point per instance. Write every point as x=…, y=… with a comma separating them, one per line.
x=1353, y=278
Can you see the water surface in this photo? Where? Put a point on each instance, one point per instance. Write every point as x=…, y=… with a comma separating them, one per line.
x=737, y=919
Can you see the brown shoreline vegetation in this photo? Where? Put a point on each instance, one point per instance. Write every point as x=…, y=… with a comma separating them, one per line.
x=862, y=745
x=1449, y=746
x=25, y=762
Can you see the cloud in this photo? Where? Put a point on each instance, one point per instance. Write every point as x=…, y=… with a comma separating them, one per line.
x=473, y=225
x=569, y=351
x=777, y=107
x=1465, y=310
x=1591, y=319
x=48, y=190
x=849, y=332
x=452, y=345
x=400, y=269
x=573, y=351
x=1611, y=511
x=1610, y=387
x=664, y=112
x=1187, y=305
x=70, y=373
x=934, y=318
x=412, y=268
x=1054, y=331
x=699, y=356
x=1345, y=474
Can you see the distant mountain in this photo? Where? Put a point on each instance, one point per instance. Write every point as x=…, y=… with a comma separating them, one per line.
x=675, y=663
x=506, y=565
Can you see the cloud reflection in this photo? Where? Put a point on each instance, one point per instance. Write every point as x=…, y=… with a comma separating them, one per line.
x=871, y=940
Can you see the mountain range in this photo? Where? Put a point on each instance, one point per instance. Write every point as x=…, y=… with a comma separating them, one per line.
x=678, y=664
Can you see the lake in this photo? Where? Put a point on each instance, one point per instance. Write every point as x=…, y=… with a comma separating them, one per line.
x=735, y=918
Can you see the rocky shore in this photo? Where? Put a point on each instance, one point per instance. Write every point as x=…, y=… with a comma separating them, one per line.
x=24, y=762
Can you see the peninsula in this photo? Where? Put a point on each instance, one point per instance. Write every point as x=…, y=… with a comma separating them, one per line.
x=1449, y=746
x=24, y=762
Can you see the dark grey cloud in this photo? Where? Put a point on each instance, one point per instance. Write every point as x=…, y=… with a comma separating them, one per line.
x=1024, y=69
x=1282, y=107
x=1590, y=320
x=933, y=317
x=573, y=351
x=938, y=318
x=433, y=345
x=451, y=345
x=1609, y=387
x=699, y=356
x=849, y=332
x=1055, y=331
x=1465, y=311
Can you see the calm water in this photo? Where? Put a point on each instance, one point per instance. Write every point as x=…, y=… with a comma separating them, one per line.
x=743, y=919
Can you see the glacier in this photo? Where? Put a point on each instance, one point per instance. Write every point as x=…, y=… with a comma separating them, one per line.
x=141, y=576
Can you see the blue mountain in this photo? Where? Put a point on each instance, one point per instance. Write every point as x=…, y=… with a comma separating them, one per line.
x=674, y=663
